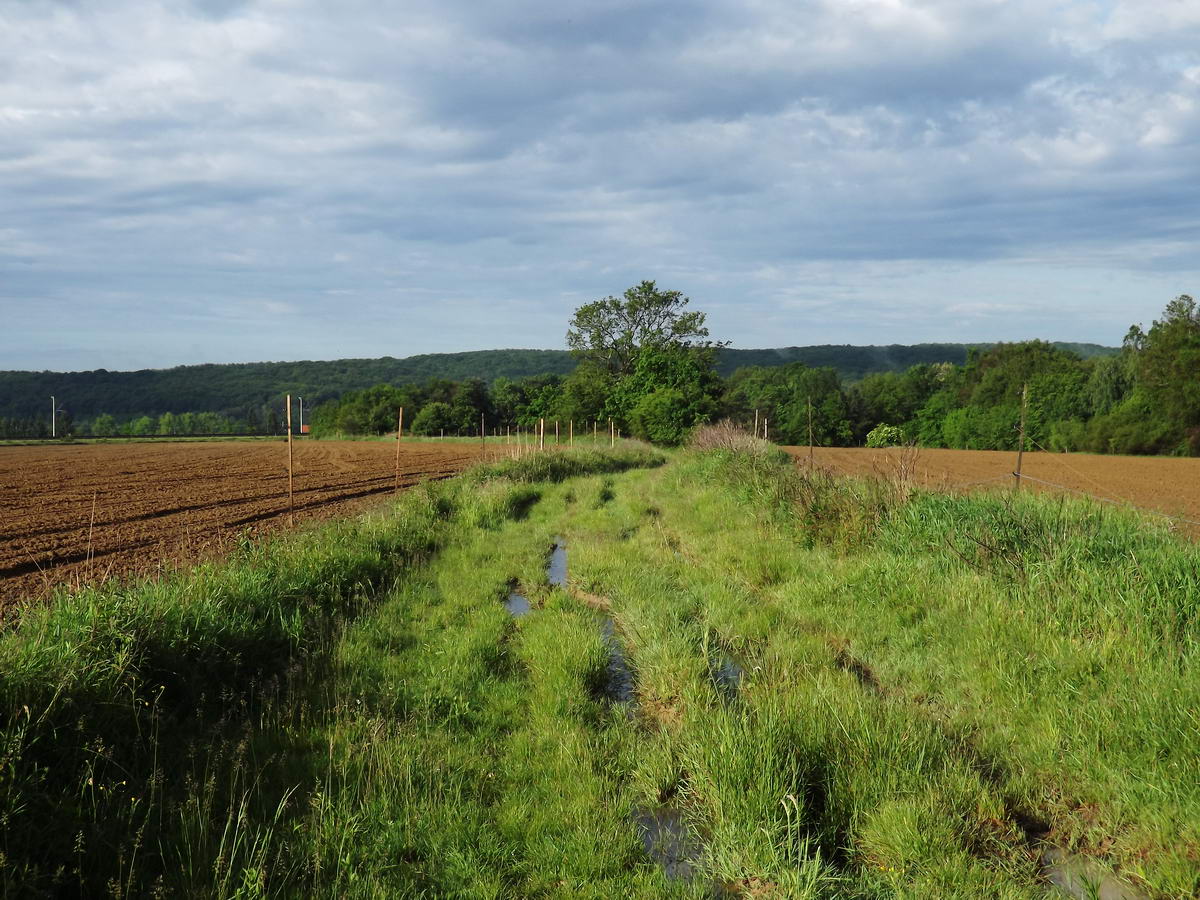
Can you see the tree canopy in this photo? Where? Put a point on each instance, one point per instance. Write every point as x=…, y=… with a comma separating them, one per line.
x=611, y=332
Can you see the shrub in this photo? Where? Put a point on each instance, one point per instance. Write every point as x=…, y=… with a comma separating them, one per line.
x=884, y=435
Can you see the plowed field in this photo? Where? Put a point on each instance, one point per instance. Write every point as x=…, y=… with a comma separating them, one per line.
x=75, y=514
x=1167, y=485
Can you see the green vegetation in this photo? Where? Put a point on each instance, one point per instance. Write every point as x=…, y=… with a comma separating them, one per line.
x=248, y=397
x=842, y=689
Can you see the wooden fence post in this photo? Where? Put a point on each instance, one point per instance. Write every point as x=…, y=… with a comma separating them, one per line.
x=612, y=434
x=810, y=433
x=399, y=435
x=1021, y=438
x=541, y=434
x=291, y=501
x=571, y=433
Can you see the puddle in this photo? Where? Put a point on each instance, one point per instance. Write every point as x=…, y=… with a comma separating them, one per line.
x=1084, y=878
x=663, y=832
x=620, y=676
x=516, y=604
x=726, y=673
x=667, y=841
x=556, y=569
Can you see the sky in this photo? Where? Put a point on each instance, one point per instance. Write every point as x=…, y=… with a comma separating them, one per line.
x=242, y=180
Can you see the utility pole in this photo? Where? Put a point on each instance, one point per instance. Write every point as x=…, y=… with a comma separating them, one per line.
x=301, y=401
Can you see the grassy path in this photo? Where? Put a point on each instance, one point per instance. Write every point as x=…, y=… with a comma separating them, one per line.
x=838, y=691
x=872, y=746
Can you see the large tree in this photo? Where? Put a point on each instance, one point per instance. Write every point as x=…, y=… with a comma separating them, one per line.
x=611, y=332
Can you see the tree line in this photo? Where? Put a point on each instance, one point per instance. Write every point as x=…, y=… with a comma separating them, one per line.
x=107, y=425
x=656, y=385
x=251, y=392
x=645, y=361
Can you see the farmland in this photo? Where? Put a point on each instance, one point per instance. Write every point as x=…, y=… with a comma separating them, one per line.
x=1166, y=484
x=77, y=513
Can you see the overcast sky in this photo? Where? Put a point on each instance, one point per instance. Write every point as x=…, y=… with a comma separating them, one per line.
x=215, y=180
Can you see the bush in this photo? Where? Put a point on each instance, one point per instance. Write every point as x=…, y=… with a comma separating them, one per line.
x=435, y=418
x=883, y=435
x=662, y=417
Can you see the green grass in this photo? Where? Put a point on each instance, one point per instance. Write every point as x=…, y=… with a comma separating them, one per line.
x=353, y=713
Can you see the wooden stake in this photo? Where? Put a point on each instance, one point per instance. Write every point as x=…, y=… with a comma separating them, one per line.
x=1021, y=438
x=612, y=434
x=571, y=433
x=291, y=500
x=810, y=436
x=595, y=430
x=764, y=428
x=756, y=423
x=399, y=435
x=482, y=433
x=541, y=434
x=556, y=432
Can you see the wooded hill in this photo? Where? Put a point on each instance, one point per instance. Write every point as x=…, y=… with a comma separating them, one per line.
x=251, y=392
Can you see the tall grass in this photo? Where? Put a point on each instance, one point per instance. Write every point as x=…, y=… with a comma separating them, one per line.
x=1050, y=641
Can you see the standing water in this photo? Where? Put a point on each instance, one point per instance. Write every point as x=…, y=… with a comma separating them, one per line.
x=556, y=570
x=665, y=836
x=517, y=604
x=1080, y=877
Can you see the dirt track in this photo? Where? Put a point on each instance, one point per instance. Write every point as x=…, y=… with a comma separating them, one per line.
x=1167, y=485
x=162, y=505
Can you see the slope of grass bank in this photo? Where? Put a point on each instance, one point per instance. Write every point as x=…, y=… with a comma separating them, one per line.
x=1051, y=645
x=839, y=690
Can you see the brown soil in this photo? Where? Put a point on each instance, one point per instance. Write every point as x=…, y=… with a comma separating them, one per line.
x=78, y=514
x=1162, y=484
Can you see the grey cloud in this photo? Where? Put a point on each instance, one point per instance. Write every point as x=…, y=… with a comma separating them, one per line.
x=519, y=157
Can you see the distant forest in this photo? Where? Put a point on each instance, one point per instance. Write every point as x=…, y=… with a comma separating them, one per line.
x=248, y=397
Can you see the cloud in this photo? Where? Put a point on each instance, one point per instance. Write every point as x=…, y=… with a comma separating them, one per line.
x=449, y=175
